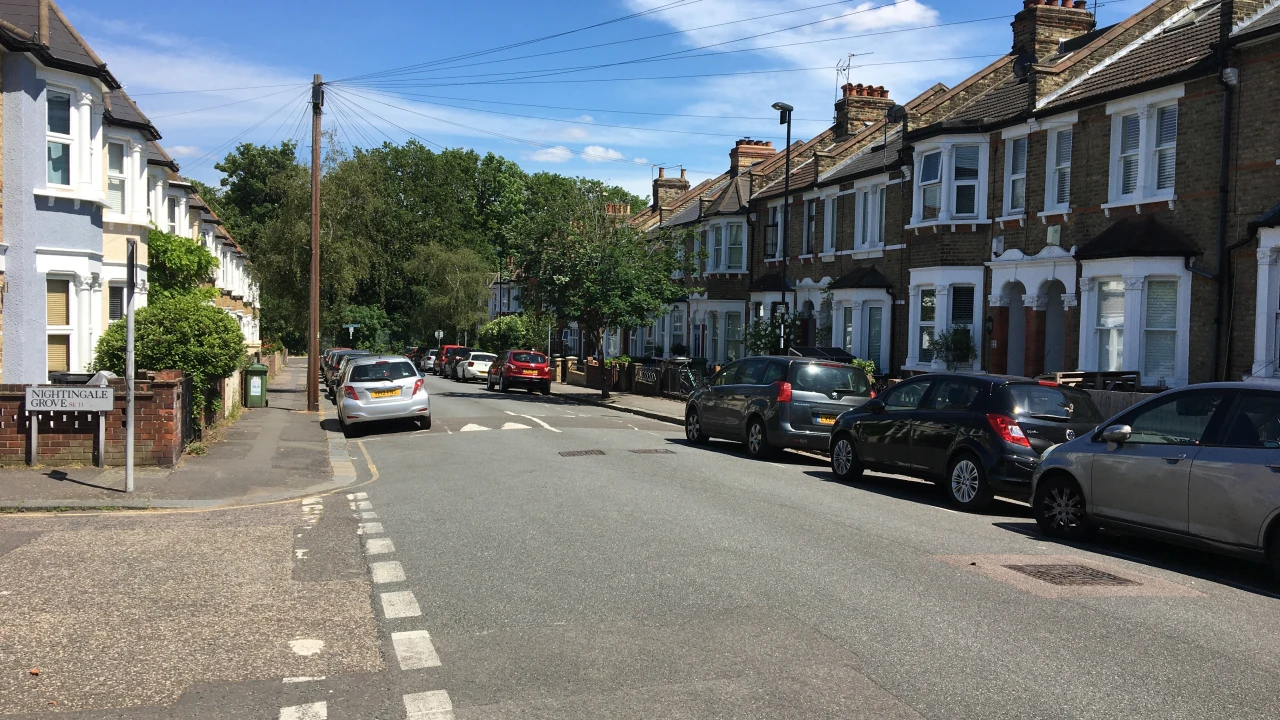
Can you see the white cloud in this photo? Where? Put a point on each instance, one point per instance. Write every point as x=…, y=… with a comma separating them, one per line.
x=557, y=154
x=640, y=160
x=183, y=151
x=600, y=153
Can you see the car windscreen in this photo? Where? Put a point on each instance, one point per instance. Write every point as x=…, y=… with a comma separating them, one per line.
x=827, y=378
x=455, y=352
x=374, y=372
x=482, y=357
x=527, y=357
x=1051, y=402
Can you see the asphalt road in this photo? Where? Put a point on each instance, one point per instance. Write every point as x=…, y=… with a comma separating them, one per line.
x=691, y=582
x=485, y=574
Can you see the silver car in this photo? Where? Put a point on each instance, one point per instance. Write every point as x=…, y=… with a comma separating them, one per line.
x=1198, y=466
x=382, y=388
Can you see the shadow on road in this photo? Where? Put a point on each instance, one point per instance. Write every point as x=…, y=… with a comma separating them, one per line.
x=1233, y=572
x=916, y=490
x=61, y=476
x=728, y=447
x=516, y=395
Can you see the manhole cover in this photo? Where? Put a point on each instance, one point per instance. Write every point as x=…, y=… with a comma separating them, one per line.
x=580, y=453
x=1071, y=575
x=654, y=451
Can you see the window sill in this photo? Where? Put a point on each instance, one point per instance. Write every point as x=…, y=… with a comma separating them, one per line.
x=1020, y=218
x=875, y=252
x=773, y=261
x=953, y=223
x=71, y=193
x=1044, y=216
x=109, y=217
x=1137, y=203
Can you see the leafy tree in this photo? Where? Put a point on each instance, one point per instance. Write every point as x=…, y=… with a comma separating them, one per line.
x=514, y=332
x=178, y=266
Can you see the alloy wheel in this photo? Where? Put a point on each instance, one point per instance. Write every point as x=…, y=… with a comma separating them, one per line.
x=692, y=426
x=965, y=481
x=842, y=457
x=1063, y=507
x=755, y=438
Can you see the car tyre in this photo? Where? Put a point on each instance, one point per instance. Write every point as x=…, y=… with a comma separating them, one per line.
x=693, y=428
x=489, y=384
x=1059, y=509
x=348, y=431
x=425, y=423
x=546, y=389
x=967, y=483
x=502, y=383
x=757, y=440
x=844, y=460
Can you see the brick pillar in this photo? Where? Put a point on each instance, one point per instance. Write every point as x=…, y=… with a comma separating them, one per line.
x=1033, y=308
x=998, y=360
x=1071, y=326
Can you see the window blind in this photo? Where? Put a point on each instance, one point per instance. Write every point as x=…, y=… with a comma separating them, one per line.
x=1166, y=139
x=56, y=303
x=115, y=303
x=1019, y=156
x=115, y=195
x=966, y=162
x=1161, y=333
x=1062, y=160
x=59, y=353
x=962, y=305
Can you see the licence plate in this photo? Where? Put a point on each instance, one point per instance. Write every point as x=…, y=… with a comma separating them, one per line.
x=826, y=419
x=384, y=393
x=530, y=372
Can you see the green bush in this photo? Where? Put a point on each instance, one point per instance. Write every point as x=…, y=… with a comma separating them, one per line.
x=513, y=332
x=954, y=346
x=868, y=366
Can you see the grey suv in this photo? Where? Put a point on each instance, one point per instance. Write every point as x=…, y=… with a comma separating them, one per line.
x=775, y=402
x=1198, y=466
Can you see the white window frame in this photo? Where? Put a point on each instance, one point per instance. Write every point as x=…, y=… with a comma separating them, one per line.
x=1136, y=273
x=941, y=280
x=809, y=242
x=71, y=140
x=122, y=176
x=947, y=182
x=1266, y=328
x=1012, y=175
x=869, y=216
x=1054, y=165
x=830, y=214
x=775, y=221
x=716, y=262
x=741, y=265
x=699, y=244
x=1147, y=107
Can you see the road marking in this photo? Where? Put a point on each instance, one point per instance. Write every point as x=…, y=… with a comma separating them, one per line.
x=300, y=554
x=472, y=427
x=434, y=705
x=515, y=426
x=315, y=500
x=400, y=604
x=368, y=515
x=414, y=650
x=386, y=572
x=358, y=496
x=302, y=679
x=371, y=528
x=306, y=647
x=378, y=546
x=530, y=417
x=314, y=711
x=364, y=505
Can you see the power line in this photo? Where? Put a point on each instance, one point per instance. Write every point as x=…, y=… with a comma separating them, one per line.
x=215, y=107
x=409, y=132
x=209, y=90
x=669, y=6
x=204, y=158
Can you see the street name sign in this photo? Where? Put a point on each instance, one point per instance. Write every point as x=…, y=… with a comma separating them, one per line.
x=70, y=399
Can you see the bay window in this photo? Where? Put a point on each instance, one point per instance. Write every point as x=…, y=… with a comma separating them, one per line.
x=1015, y=189
x=931, y=185
x=58, y=324
x=732, y=336
x=172, y=216
x=950, y=181
x=717, y=247
x=117, y=184
x=966, y=181
x=1166, y=146
x=58, y=138
x=1137, y=315
x=1160, y=329
x=1110, y=325
x=677, y=328
x=737, y=252
x=926, y=324
x=1144, y=138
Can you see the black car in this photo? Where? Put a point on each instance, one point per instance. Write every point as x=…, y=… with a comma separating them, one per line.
x=775, y=402
x=451, y=358
x=975, y=434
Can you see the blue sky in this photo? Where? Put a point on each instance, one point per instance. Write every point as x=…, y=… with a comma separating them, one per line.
x=271, y=48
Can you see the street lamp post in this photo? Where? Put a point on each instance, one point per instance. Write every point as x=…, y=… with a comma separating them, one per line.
x=784, y=118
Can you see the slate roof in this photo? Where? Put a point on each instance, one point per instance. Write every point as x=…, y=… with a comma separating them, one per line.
x=125, y=113
x=1137, y=236
x=772, y=282
x=1267, y=21
x=863, y=277
x=1004, y=101
x=871, y=161
x=692, y=210
x=20, y=32
x=735, y=199
x=1178, y=47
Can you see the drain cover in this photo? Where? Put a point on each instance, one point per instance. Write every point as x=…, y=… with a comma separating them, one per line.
x=580, y=453
x=651, y=451
x=1071, y=575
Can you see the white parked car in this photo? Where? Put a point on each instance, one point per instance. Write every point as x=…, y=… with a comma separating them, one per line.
x=382, y=387
x=475, y=366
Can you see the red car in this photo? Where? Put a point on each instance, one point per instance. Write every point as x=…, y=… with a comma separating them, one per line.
x=527, y=368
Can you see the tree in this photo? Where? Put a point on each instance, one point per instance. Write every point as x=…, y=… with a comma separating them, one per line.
x=514, y=332
x=178, y=265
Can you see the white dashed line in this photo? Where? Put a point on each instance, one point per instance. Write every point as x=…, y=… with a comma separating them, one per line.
x=472, y=427
x=378, y=546
x=364, y=505
x=371, y=528
x=400, y=605
x=358, y=496
x=516, y=426
x=314, y=711
x=386, y=572
x=306, y=647
x=312, y=501
x=434, y=705
x=300, y=554
x=530, y=417
x=414, y=650
x=302, y=679
x=368, y=515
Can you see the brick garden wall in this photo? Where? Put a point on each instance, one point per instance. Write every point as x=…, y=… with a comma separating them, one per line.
x=70, y=438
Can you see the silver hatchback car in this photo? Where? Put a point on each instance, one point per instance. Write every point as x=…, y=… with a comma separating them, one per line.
x=1197, y=466
x=382, y=388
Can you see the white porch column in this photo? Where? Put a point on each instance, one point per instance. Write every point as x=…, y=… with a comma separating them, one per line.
x=941, y=318
x=1088, y=316
x=138, y=178
x=913, y=327
x=1133, y=318
x=82, y=322
x=1265, y=313
x=85, y=175
x=855, y=332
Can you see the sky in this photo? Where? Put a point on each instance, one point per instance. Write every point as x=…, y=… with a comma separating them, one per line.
x=669, y=83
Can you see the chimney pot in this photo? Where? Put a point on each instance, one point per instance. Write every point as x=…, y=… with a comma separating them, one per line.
x=1081, y=5
x=682, y=173
x=662, y=172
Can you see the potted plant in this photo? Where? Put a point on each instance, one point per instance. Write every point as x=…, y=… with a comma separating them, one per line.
x=954, y=346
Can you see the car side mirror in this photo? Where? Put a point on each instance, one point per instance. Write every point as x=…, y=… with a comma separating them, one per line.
x=1116, y=435
x=874, y=406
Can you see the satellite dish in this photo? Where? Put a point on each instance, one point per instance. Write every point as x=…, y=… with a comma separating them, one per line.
x=895, y=114
x=1022, y=65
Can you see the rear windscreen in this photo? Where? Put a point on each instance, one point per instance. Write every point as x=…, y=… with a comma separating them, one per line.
x=382, y=371
x=524, y=357
x=826, y=379
x=482, y=357
x=1048, y=402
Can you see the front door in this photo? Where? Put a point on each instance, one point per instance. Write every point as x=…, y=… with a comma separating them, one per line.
x=885, y=438
x=1235, y=481
x=872, y=335
x=1146, y=479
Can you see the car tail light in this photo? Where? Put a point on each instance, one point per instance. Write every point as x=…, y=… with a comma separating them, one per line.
x=417, y=386
x=784, y=391
x=873, y=394
x=1008, y=430
x=350, y=392
x=470, y=364
x=1047, y=383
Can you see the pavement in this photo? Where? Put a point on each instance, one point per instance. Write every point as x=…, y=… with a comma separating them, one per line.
x=535, y=557
x=270, y=453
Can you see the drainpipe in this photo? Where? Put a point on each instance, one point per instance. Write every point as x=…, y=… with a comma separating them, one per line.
x=1227, y=77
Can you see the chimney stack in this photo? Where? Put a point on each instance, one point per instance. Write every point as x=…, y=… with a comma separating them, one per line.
x=860, y=104
x=1042, y=24
x=666, y=190
x=747, y=152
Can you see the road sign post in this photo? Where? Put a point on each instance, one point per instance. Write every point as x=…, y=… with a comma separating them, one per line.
x=351, y=330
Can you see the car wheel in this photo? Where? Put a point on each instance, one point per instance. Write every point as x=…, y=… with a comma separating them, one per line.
x=844, y=460
x=502, y=383
x=425, y=423
x=757, y=441
x=489, y=384
x=546, y=389
x=693, y=428
x=1059, y=509
x=348, y=431
x=967, y=483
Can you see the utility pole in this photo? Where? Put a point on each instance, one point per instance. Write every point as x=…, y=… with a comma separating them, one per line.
x=313, y=331
x=129, y=371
